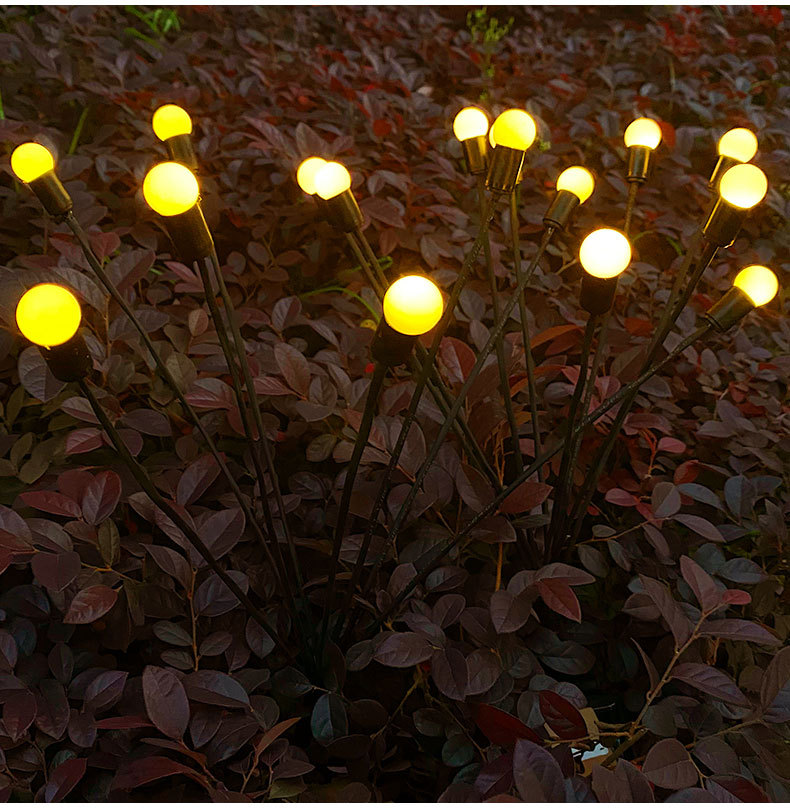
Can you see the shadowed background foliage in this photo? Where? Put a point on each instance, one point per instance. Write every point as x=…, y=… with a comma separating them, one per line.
x=123, y=661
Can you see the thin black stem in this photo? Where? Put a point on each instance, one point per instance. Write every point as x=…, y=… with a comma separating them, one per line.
x=490, y=508
x=263, y=440
x=633, y=188
x=371, y=402
x=499, y=345
x=669, y=317
x=142, y=478
x=372, y=280
x=565, y=477
x=372, y=258
x=116, y=295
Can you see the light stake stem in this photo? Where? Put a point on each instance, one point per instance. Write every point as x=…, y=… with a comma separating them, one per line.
x=141, y=477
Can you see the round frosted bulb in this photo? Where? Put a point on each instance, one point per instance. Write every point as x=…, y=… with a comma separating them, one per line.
x=332, y=179
x=605, y=253
x=739, y=144
x=306, y=173
x=413, y=305
x=171, y=120
x=578, y=180
x=743, y=186
x=643, y=132
x=170, y=189
x=30, y=161
x=759, y=283
x=48, y=315
x=471, y=122
x=515, y=129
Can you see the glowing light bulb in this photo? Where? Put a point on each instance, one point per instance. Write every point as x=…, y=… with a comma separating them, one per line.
x=470, y=122
x=759, y=283
x=171, y=120
x=306, y=173
x=578, y=180
x=739, y=144
x=515, y=129
x=643, y=132
x=413, y=305
x=48, y=315
x=170, y=189
x=29, y=161
x=743, y=186
x=331, y=179
x=605, y=253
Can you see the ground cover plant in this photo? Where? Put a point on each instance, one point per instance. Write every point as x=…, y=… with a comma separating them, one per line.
x=648, y=662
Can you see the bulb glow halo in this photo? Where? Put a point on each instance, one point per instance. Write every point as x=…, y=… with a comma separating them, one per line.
x=743, y=186
x=578, y=180
x=515, y=129
x=306, y=173
x=171, y=120
x=331, y=179
x=605, y=253
x=739, y=144
x=170, y=189
x=758, y=283
x=48, y=315
x=470, y=122
x=31, y=160
x=642, y=132
x=413, y=305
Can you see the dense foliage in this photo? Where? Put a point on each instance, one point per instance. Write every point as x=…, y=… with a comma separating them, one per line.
x=658, y=637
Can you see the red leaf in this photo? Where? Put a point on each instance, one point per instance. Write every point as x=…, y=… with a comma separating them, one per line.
x=736, y=597
x=526, y=497
x=559, y=597
x=49, y=501
x=561, y=716
x=64, y=778
x=501, y=728
x=165, y=701
x=90, y=604
x=101, y=497
x=124, y=722
x=381, y=128
x=139, y=772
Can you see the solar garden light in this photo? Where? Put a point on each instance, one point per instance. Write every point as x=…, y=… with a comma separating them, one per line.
x=736, y=146
x=754, y=286
x=604, y=254
x=470, y=128
x=49, y=316
x=574, y=187
x=172, y=191
x=642, y=138
x=173, y=126
x=513, y=132
x=741, y=188
x=332, y=183
x=34, y=165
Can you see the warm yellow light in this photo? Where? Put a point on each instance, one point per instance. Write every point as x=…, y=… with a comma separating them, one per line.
x=332, y=179
x=30, y=160
x=739, y=144
x=305, y=174
x=471, y=122
x=759, y=283
x=605, y=253
x=413, y=305
x=578, y=180
x=515, y=129
x=170, y=120
x=743, y=186
x=643, y=132
x=170, y=189
x=48, y=315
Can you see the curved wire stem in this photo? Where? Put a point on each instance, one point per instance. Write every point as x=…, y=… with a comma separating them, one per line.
x=371, y=401
x=142, y=478
x=490, y=508
x=116, y=295
x=633, y=189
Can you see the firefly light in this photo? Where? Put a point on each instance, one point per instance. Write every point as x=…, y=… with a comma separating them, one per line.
x=29, y=161
x=642, y=132
x=471, y=122
x=171, y=120
x=331, y=180
x=170, y=189
x=743, y=186
x=306, y=174
x=48, y=315
x=578, y=181
x=739, y=144
x=515, y=129
x=605, y=253
x=413, y=305
x=759, y=283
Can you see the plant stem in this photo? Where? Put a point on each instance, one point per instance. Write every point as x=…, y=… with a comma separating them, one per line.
x=633, y=188
x=371, y=401
x=142, y=478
